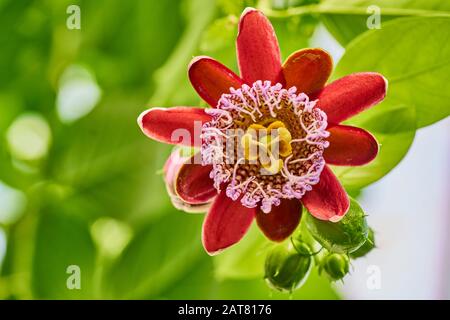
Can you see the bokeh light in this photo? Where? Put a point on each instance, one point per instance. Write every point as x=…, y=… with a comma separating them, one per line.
x=29, y=137
x=110, y=235
x=78, y=94
x=13, y=204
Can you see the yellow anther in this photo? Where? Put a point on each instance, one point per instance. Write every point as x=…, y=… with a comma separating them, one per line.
x=284, y=134
x=276, y=125
x=259, y=145
x=282, y=141
x=274, y=167
x=285, y=148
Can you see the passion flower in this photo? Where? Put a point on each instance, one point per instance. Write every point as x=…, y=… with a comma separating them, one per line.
x=288, y=114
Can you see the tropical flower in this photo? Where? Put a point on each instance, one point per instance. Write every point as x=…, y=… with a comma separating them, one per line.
x=290, y=99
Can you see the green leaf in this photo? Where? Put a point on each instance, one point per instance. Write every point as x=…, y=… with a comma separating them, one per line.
x=161, y=254
x=294, y=33
x=244, y=260
x=348, y=19
x=62, y=240
x=394, y=126
x=414, y=55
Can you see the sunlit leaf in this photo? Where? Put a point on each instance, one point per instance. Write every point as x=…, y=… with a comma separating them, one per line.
x=413, y=54
x=294, y=33
x=348, y=19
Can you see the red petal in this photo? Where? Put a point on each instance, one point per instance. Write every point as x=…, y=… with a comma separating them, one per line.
x=178, y=125
x=328, y=199
x=193, y=184
x=257, y=49
x=350, y=146
x=308, y=70
x=226, y=223
x=351, y=94
x=171, y=169
x=281, y=221
x=211, y=79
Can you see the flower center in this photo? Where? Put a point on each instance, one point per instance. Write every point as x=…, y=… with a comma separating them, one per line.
x=265, y=143
x=271, y=142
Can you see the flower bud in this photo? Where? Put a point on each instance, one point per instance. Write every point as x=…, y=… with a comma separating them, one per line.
x=345, y=236
x=336, y=265
x=366, y=247
x=287, y=266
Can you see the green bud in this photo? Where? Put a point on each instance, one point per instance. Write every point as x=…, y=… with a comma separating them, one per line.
x=287, y=266
x=336, y=265
x=344, y=236
x=366, y=247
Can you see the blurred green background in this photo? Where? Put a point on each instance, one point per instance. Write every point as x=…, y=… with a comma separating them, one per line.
x=81, y=185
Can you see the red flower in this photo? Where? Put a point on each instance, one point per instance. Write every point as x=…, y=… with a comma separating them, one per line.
x=290, y=98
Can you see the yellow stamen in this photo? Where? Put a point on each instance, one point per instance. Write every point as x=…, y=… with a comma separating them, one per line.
x=284, y=134
x=276, y=125
x=274, y=167
x=259, y=145
x=285, y=148
x=283, y=140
